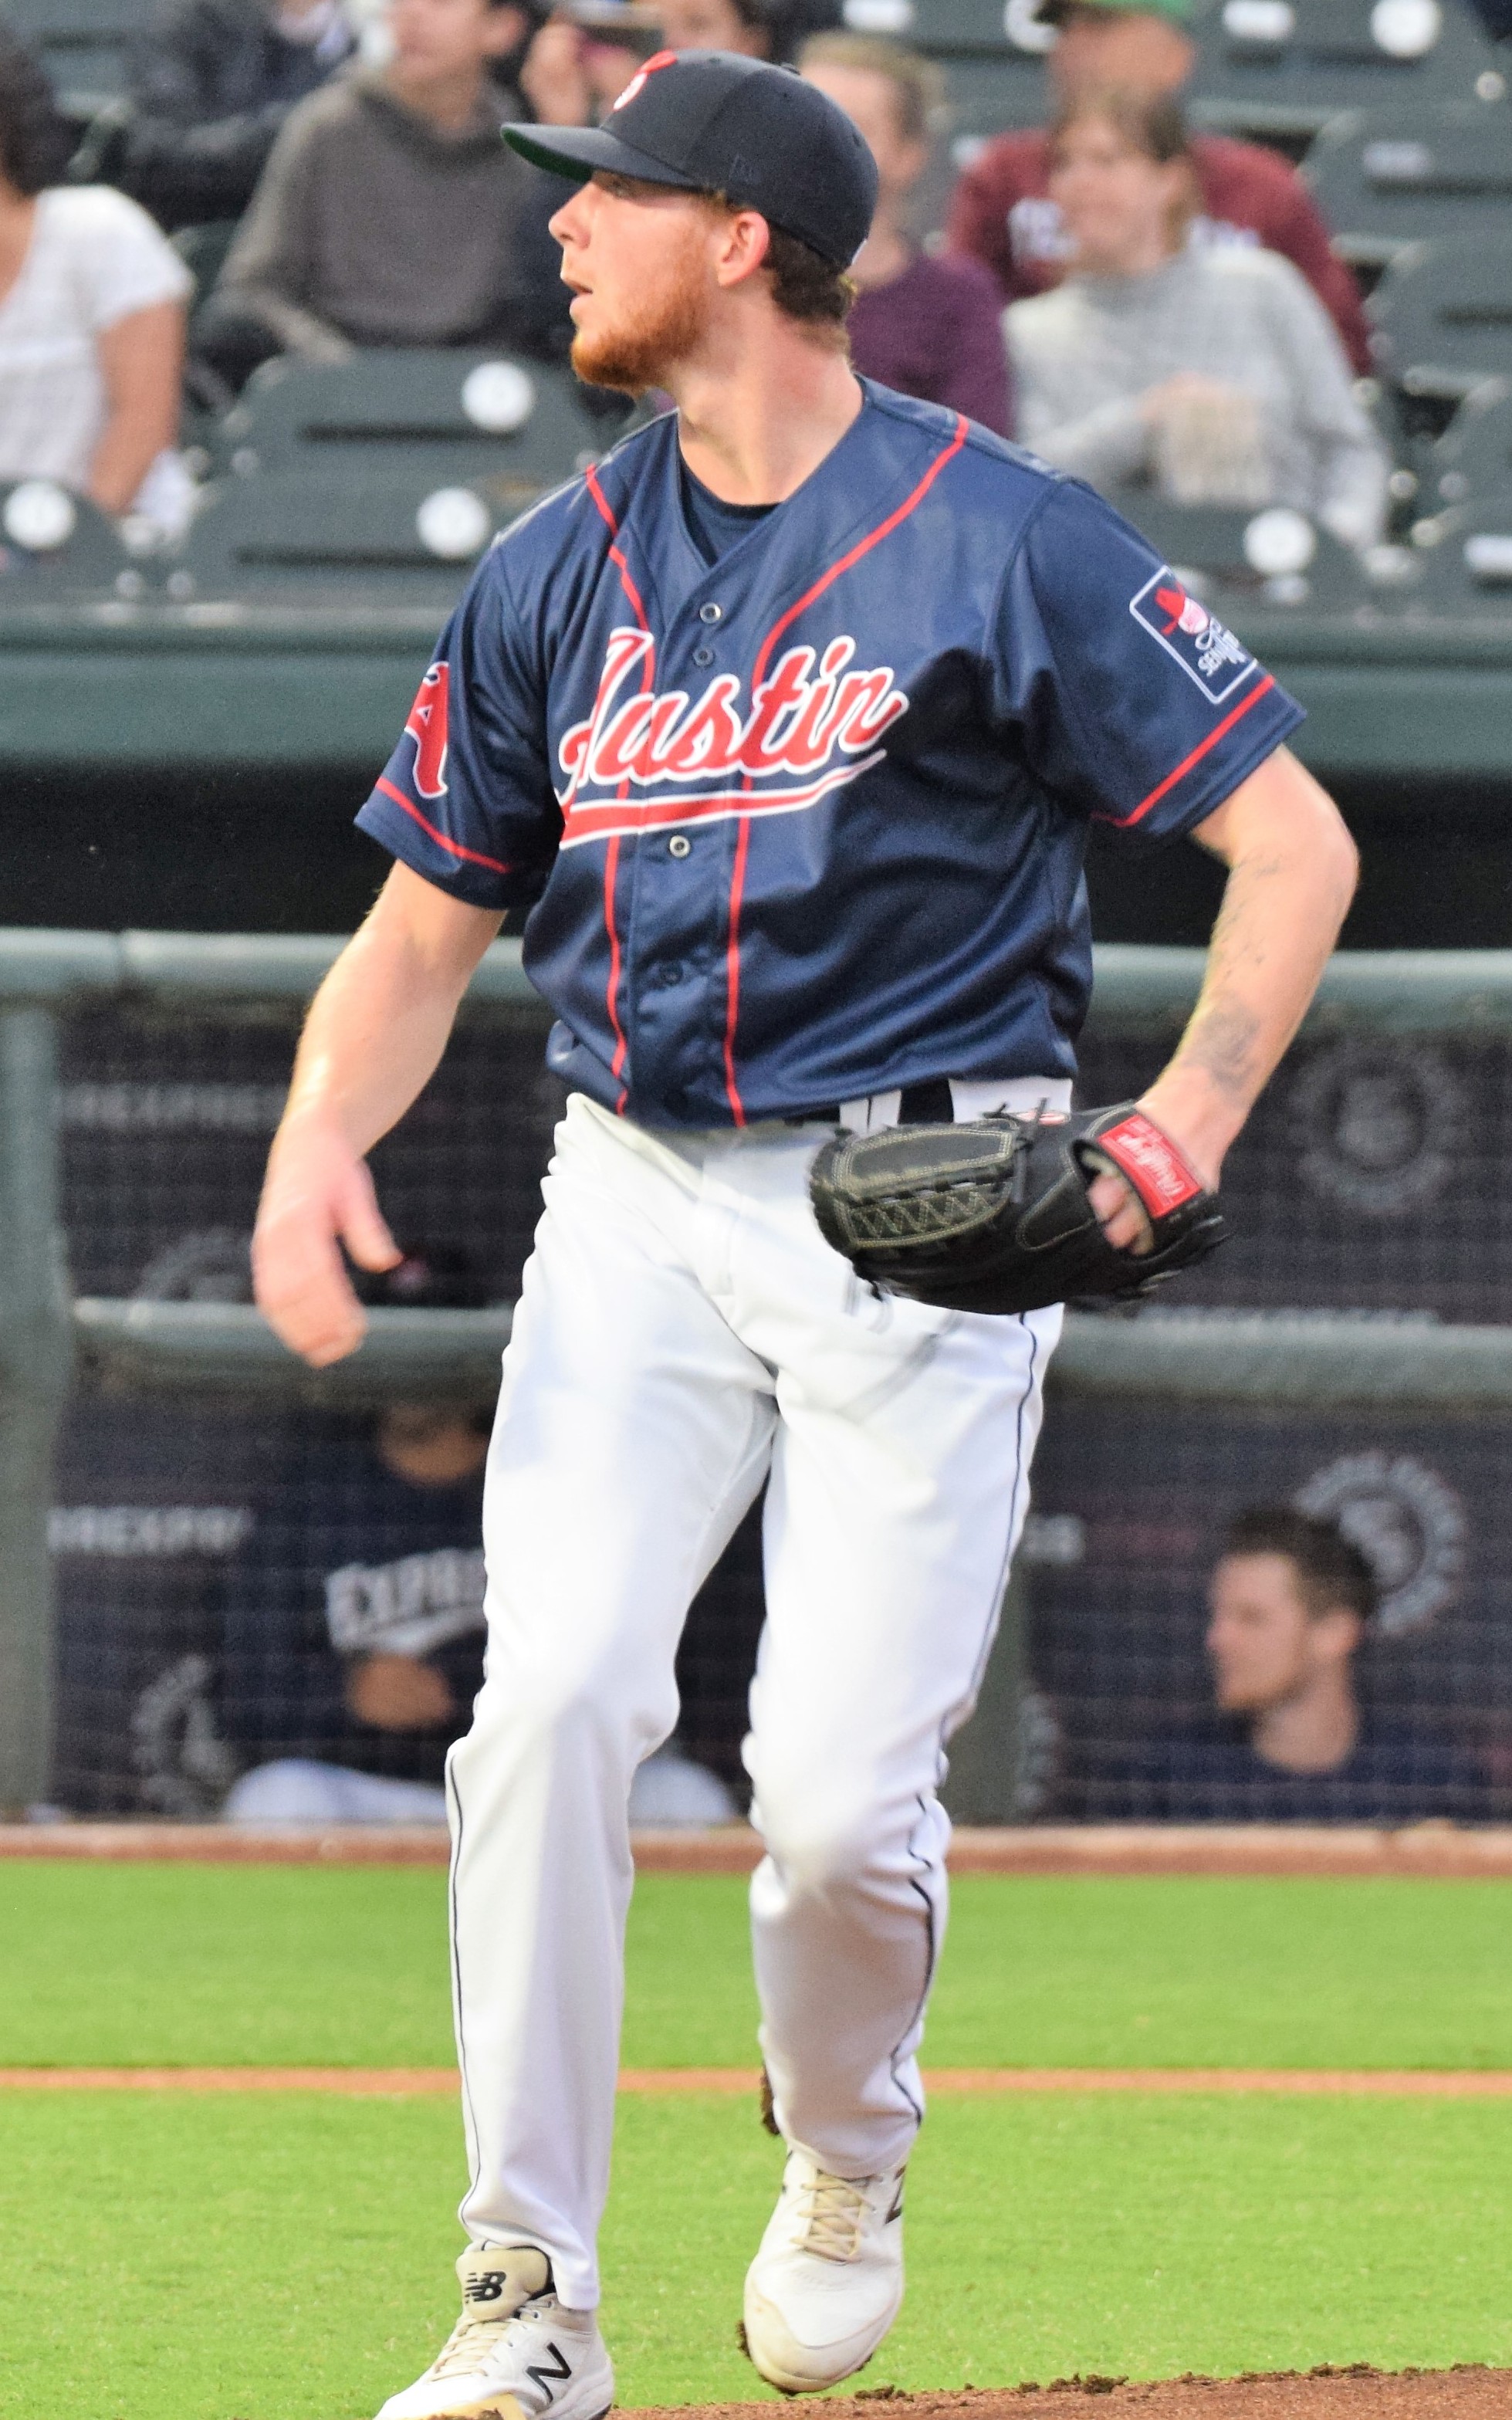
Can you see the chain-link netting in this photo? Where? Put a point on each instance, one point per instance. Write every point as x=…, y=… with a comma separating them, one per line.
x=225, y=1572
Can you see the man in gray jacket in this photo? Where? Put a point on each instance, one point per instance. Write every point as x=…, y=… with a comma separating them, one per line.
x=390, y=212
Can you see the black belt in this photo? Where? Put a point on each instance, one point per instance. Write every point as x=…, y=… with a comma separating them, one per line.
x=929, y=1104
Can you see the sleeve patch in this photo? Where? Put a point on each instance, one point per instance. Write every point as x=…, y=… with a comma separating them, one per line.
x=1208, y=653
x=427, y=727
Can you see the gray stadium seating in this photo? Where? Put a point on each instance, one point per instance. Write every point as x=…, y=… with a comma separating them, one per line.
x=1473, y=457
x=1384, y=179
x=942, y=26
x=1443, y=315
x=1229, y=563
x=83, y=43
x=56, y=547
x=373, y=535
x=1278, y=70
x=518, y=427
x=988, y=95
x=1465, y=556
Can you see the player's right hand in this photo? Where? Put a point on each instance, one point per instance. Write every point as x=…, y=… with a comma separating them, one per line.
x=318, y=1194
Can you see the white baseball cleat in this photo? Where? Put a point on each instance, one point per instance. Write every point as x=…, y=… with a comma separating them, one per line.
x=515, y=2353
x=828, y=2282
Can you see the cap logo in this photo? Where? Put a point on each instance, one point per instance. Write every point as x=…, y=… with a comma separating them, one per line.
x=637, y=83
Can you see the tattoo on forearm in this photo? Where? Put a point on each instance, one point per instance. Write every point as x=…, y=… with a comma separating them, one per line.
x=1228, y=1038
x=1220, y=1040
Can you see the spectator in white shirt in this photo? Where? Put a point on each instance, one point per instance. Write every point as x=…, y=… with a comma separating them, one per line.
x=1215, y=376
x=92, y=313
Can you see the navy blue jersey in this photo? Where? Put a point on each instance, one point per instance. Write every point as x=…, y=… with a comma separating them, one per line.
x=1210, y=1774
x=809, y=822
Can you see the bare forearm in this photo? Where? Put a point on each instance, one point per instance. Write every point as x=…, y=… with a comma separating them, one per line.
x=141, y=360
x=380, y=1021
x=126, y=452
x=372, y=1043
x=374, y=1035
x=1290, y=879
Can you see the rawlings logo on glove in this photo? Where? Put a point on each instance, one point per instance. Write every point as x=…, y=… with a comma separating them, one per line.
x=995, y=1216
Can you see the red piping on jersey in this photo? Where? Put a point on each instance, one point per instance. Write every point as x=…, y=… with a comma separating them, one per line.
x=863, y=546
x=612, y=867
x=738, y=878
x=453, y=847
x=1186, y=764
x=737, y=885
x=611, y=860
x=614, y=555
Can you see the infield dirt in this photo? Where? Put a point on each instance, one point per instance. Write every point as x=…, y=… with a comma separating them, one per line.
x=1464, y=2392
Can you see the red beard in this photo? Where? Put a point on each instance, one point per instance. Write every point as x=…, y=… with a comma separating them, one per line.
x=654, y=333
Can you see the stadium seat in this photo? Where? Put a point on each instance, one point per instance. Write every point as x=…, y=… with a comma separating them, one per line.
x=1275, y=557
x=1443, y=316
x=1473, y=457
x=83, y=43
x=1387, y=177
x=462, y=415
x=388, y=532
x=947, y=27
x=988, y=95
x=1279, y=69
x=55, y=545
x=203, y=250
x=1465, y=558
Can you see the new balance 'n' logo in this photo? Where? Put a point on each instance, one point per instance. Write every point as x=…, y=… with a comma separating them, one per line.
x=540, y=2372
x=897, y=2209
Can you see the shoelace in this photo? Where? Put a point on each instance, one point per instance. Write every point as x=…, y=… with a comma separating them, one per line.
x=461, y=2349
x=831, y=2212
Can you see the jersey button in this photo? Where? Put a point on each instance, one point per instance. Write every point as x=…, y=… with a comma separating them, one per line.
x=679, y=845
x=669, y=973
x=711, y=612
x=703, y=654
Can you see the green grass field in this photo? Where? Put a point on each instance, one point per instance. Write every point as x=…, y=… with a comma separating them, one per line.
x=284, y=2257
x=103, y=1965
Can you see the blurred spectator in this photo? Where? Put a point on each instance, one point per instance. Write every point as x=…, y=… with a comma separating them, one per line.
x=574, y=71
x=762, y=29
x=92, y=299
x=1002, y=210
x=390, y=214
x=929, y=327
x=1216, y=376
x=352, y=1656
x=1291, y=1601
x=211, y=82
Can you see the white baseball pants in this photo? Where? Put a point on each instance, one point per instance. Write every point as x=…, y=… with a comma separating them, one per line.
x=684, y=1333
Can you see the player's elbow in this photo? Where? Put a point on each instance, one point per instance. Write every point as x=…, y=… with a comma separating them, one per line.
x=1333, y=854
x=1283, y=820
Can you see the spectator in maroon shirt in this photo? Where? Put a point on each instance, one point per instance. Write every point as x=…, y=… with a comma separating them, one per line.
x=929, y=327
x=1001, y=213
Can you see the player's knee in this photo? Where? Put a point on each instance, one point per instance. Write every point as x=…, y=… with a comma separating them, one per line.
x=582, y=1706
x=824, y=1840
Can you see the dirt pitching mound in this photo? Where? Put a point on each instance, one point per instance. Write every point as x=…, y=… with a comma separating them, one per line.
x=1466, y=2391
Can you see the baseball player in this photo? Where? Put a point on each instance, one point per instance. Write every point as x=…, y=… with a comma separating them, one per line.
x=780, y=731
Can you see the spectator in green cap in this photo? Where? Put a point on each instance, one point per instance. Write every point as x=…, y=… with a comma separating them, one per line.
x=1003, y=212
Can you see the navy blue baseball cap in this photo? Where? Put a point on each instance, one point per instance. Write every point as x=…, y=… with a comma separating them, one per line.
x=714, y=123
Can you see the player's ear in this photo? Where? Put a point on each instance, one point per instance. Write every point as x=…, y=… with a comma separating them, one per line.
x=743, y=241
